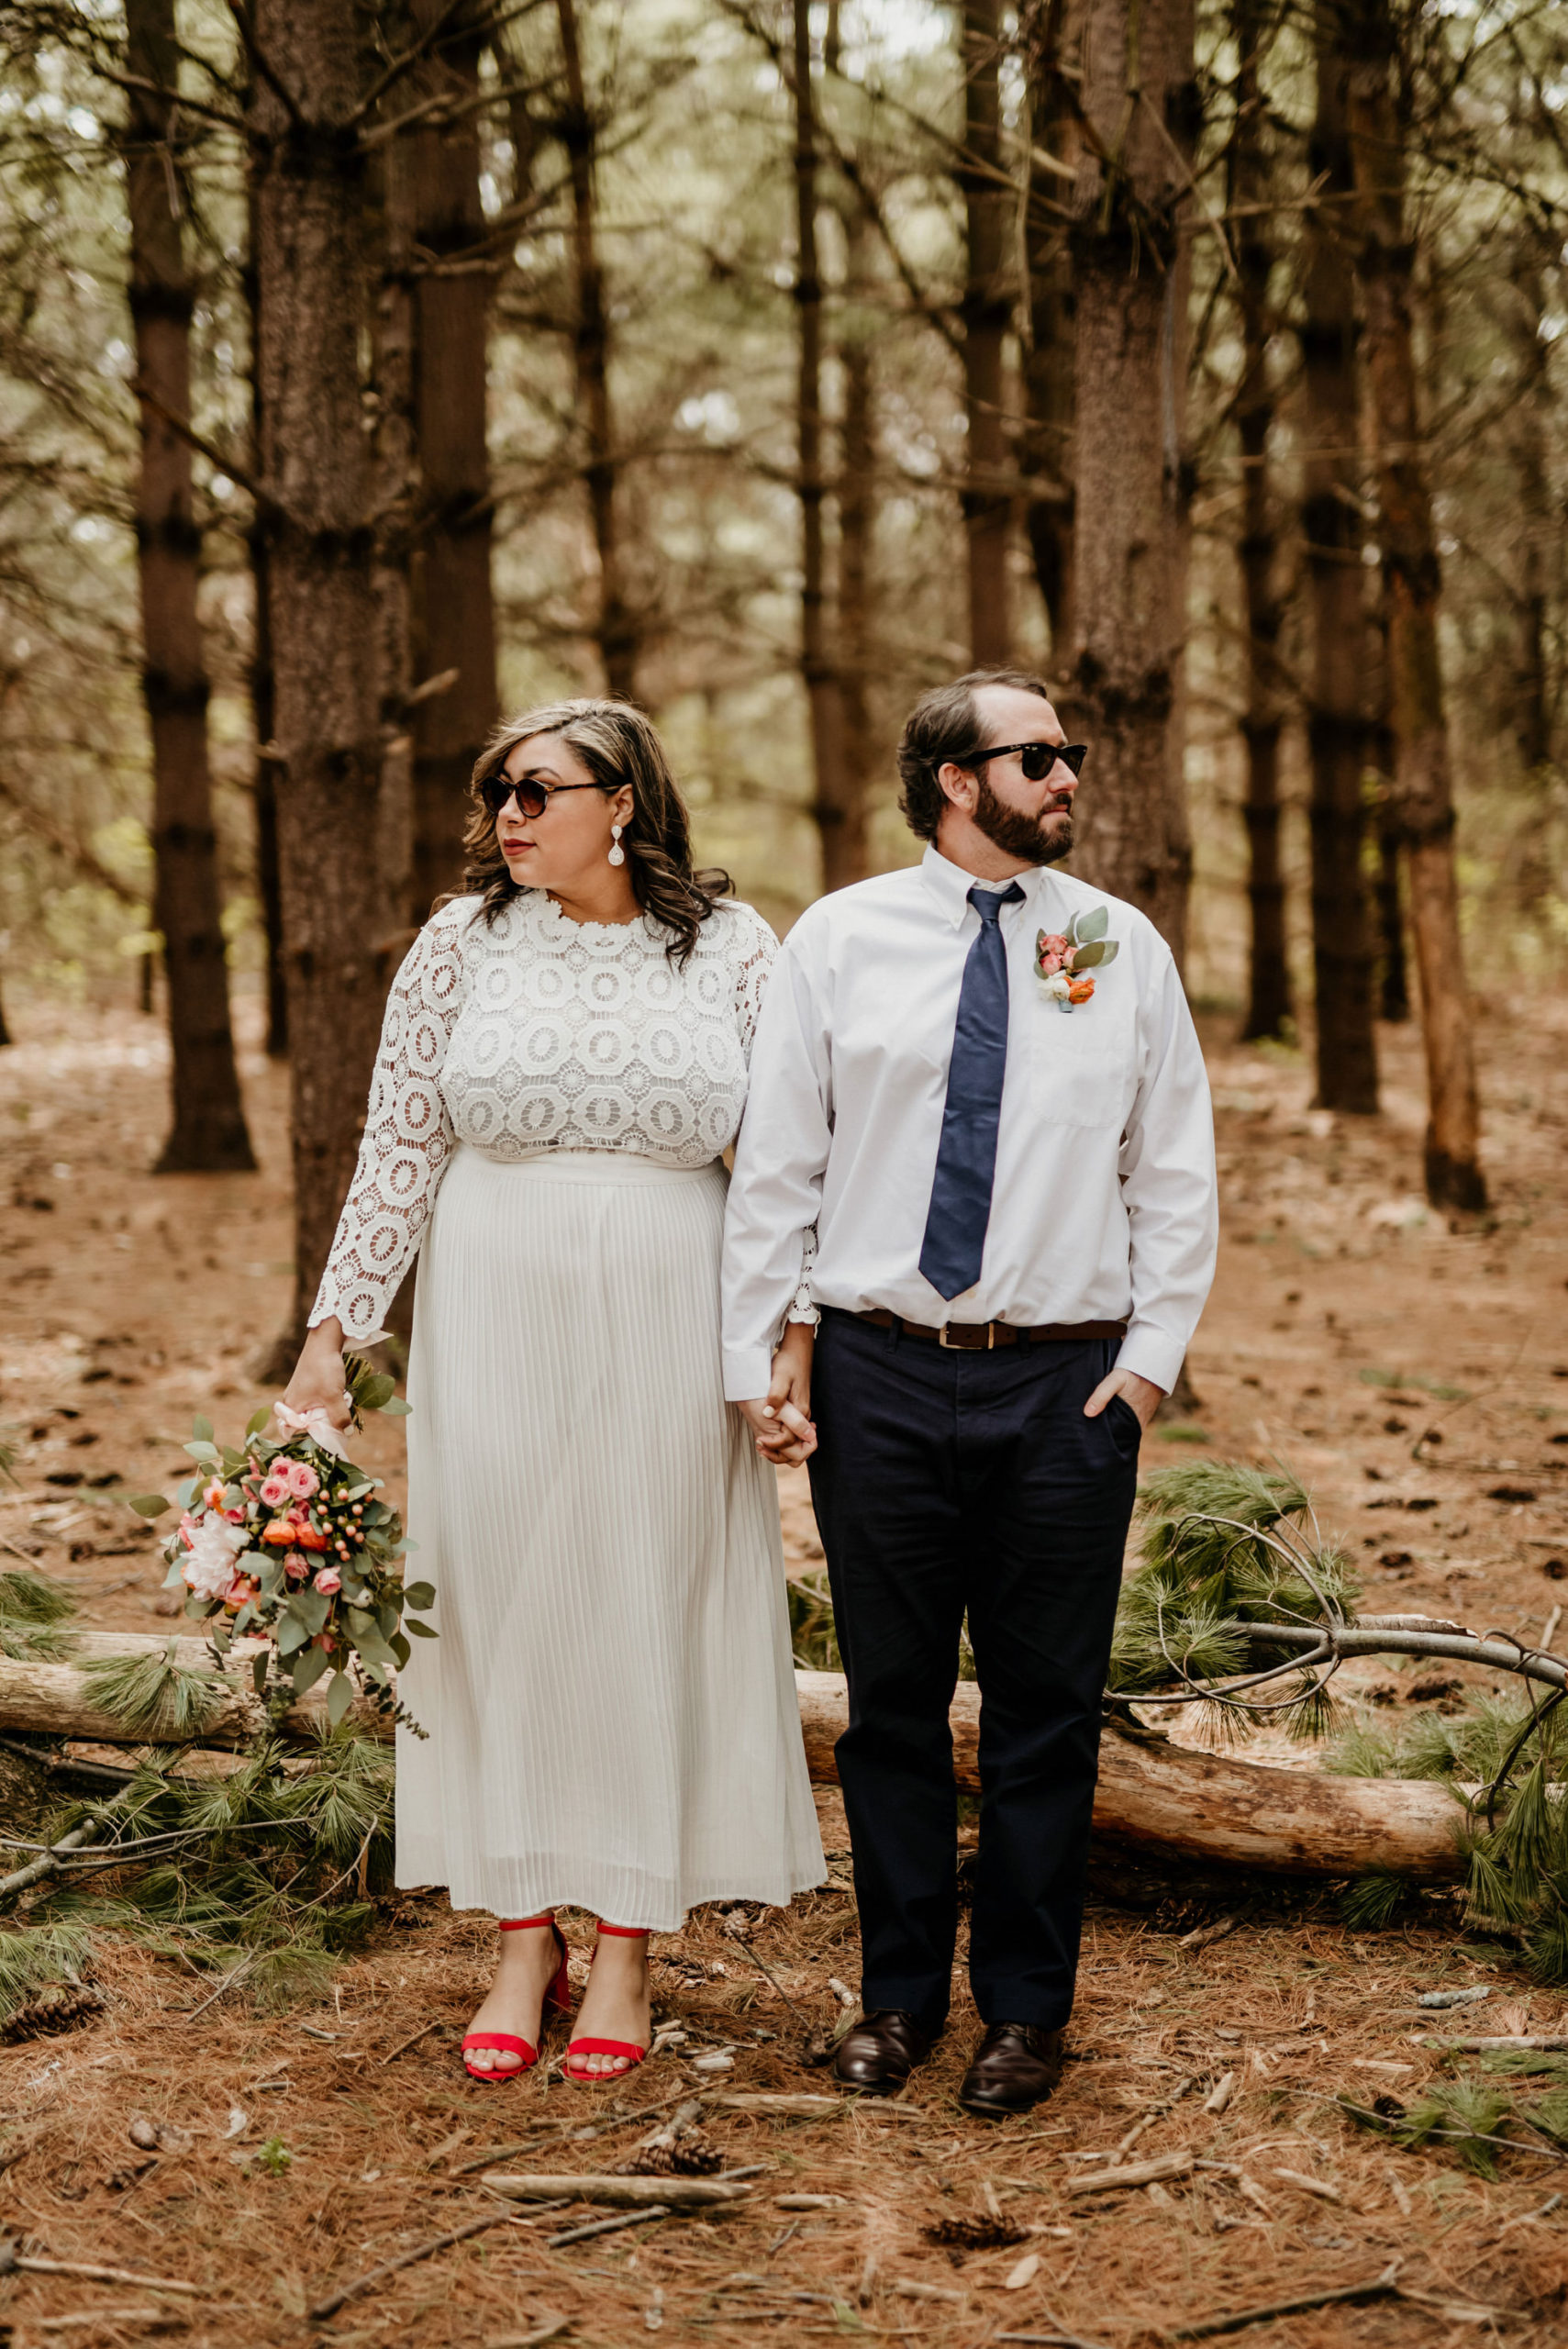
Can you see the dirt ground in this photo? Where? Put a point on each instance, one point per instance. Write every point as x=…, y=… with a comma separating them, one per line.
x=1347, y=1325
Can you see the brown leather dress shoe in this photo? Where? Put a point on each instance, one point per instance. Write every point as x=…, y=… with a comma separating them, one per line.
x=1015, y=2067
x=878, y=2056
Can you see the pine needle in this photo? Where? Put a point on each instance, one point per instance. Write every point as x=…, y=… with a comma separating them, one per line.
x=152, y=1696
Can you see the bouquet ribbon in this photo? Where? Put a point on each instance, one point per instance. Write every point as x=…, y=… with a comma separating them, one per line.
x=314, y=1423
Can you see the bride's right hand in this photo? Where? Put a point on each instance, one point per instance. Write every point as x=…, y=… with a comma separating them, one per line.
x=317, y=1381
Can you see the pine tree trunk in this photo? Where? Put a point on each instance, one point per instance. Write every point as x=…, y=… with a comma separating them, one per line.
x=836, y=820
x=5, y=1035
x=1263, y=722
x=207, y=1135
x=310, y=257
x=1387, y=895
x=987, y=313
x=264, y=791
x=1529, y=711
x=454, y=609
x=1052, y=33
x=616, y=631
x=1411, y=574
x=1130, y=593
x=1337, y=729
x=390, y=263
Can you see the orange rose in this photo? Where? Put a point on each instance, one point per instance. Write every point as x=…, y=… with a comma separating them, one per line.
x=283, y=1532
x=1080, y=991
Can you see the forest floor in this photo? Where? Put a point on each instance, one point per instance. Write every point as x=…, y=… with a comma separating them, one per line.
x=1348, y=1325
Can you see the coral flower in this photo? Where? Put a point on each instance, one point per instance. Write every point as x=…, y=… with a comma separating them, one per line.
x=1080, y=990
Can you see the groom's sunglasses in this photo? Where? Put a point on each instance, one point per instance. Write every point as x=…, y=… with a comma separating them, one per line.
x=1037, y=759
x=532, y=797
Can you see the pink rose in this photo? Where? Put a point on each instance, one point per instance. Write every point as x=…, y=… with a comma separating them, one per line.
x=329, y=1582
x=1049, y=964
x=1052, y=944
x=303, y=1479
x=276, y=1490
x=297, y=1565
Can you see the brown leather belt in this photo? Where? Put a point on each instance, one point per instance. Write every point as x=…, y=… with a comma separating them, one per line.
x=980, y=1337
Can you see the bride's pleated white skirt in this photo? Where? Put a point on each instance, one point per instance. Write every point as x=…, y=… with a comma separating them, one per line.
x=610, y=1704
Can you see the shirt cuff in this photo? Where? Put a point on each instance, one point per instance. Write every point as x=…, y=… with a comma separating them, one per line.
x=1153, y=1354
x=747, y=1373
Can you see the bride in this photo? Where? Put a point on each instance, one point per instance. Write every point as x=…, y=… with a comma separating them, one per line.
x=609, y=1707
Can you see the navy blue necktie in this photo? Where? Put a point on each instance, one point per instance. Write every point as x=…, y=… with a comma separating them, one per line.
x=954, y=1243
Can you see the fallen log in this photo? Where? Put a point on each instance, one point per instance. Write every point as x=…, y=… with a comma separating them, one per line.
x=1209, y=1807
x=1204, y=1807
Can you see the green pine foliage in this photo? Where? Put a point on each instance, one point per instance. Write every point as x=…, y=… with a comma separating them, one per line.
x=34, y=1611
x=154, y=1696
x=38, y=1958
x=1475, y=2123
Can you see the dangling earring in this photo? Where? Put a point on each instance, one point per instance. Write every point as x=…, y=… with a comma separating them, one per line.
x=618, y=854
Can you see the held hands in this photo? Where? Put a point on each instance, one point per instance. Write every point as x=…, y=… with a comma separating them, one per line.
x=1141, y=1392
x=781, y=1421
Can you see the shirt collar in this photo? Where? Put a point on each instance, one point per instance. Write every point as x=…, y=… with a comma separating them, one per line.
x=949, y=885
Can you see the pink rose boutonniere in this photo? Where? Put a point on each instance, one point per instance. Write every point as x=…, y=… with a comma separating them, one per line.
x=1063, y=960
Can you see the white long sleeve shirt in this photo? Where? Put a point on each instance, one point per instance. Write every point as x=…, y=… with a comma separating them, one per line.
x=1104, y=1203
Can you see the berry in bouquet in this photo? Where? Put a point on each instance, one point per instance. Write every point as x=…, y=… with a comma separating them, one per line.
x=284, y=1540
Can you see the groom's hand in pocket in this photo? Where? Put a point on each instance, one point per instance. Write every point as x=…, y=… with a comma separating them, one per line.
x=781, y=1421
x=1141, y=1392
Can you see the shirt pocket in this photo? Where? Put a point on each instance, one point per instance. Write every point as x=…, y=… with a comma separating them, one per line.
x=1081, y=1062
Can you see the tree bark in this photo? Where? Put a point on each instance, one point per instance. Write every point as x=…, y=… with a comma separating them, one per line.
x=1337, y=727
x=1388, y=896
x=616, y=631
x=833, y=804
x=455, y=612
x=310, y=205
x=1263, y=722
x=986, y=309
x=207, y=1135
x=1129, y=269
x=1052, y=32
x=263, y=701
x=1412, y=581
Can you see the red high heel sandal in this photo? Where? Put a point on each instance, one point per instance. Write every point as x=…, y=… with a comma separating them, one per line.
x=628, y=2048
x=558, y=1994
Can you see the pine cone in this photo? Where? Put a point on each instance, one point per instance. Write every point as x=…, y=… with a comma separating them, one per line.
x=974, y=2234
x=56, y=2010
x=692, y=2155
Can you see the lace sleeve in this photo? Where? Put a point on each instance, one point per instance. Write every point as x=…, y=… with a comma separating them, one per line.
x=803, y=1305
x=756, y=950
x=408, y=1137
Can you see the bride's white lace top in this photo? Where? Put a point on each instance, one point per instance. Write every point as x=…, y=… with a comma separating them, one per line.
x=540, y=1033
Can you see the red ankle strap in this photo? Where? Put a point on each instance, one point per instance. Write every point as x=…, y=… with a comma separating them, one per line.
x=624, y=1932
x=521, y=1924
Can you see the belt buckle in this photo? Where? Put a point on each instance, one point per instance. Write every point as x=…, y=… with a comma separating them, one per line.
x=954, y=1346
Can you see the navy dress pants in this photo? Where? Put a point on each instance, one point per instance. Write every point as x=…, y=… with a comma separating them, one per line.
x=949, y=1483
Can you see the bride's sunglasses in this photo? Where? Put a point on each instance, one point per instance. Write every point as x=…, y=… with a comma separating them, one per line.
x=1037, y=759
x=532, y=797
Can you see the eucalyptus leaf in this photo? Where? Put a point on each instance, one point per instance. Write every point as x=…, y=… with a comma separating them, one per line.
x=258, y=1421
x=291, y=1633
x=311, y=1608
x=420, y=1594
x=373, y=1392
x=1093, y=925
x=308, y=1666
x=1089, y=957
x=396, y=1409
x=201, y=1428
x=400, y=1649
x=1111, y=949
x=147, y=1504
x=339, y=1696
x=259, y=1673
x=420, y=1630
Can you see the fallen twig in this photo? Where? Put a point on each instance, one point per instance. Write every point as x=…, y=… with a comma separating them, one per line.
x=1476, y=2046
x=1148, y=2173
x=405, y=2045
x=324, y=2308
x=1156, y=2111
x=1237, y=2319
x=12, y=2260
x=606, y=2226
x=623, y=2193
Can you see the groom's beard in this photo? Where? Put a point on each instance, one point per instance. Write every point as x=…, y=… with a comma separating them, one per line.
x=1038, y=839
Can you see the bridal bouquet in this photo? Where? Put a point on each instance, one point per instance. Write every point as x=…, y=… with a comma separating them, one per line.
x=283, y=1539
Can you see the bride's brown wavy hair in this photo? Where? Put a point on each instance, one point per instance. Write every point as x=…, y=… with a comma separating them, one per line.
x=618, y=745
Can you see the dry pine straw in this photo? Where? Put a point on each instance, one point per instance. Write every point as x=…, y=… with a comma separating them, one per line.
x=379, y=2150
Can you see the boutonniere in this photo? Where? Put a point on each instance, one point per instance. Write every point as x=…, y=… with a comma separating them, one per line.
x=1063, y=960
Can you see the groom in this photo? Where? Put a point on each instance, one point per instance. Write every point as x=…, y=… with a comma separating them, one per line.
x=978, y=1156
